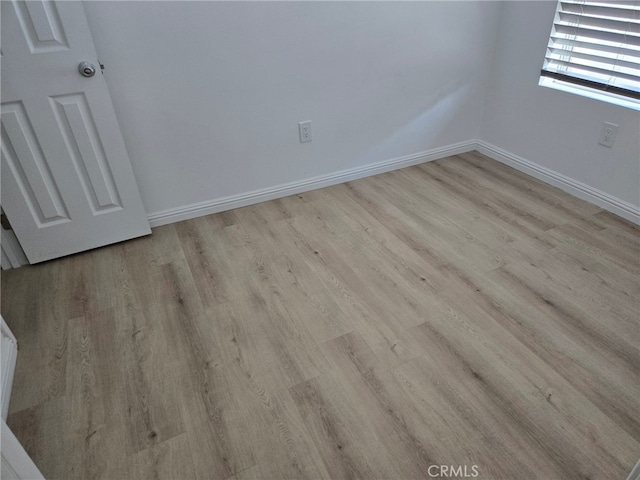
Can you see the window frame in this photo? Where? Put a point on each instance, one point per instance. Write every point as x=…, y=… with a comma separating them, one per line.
x=580, y=86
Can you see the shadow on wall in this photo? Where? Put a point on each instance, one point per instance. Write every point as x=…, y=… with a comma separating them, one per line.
x=429, y=123
x=430, y=97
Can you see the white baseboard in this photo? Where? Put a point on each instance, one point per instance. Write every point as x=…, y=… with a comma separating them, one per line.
x=243, y=199
x=569, y=185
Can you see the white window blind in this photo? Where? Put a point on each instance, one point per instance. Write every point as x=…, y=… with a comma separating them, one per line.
x=595, y=45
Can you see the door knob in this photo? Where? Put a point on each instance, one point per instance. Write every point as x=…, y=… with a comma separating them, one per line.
x=87, y=69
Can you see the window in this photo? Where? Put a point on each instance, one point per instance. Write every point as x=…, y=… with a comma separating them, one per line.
x=594, y=51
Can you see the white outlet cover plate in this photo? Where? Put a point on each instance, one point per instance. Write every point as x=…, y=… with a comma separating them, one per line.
x=608, y=134
x=304, y=129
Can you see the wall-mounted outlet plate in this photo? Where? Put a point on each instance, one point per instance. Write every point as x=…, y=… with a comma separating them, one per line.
x=608, y=134
x=304, y=129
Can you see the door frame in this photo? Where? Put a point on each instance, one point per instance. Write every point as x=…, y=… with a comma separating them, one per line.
x=9, y=355
x=16, y=463
x=12, y=254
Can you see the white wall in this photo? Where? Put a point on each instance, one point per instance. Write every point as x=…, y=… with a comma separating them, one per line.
x=208, y=94
x=554, y=129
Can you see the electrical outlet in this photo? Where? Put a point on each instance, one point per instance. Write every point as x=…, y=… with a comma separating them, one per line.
x=304, y=128
x=608, y=134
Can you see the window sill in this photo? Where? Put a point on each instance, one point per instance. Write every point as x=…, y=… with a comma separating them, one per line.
x=590, y=93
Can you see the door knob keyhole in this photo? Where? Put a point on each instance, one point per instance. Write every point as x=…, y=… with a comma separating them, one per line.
x=87, y=69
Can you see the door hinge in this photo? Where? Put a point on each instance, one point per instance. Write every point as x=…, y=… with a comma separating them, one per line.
x=4, y=221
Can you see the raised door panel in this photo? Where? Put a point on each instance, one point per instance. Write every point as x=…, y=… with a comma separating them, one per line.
x=41, y=25
x=24, y=161
x=87, y=152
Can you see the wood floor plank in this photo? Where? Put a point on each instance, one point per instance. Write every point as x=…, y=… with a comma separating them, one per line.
x=325, y=319
x=168, y=460
x=484, y=203
x=217, y=431
x=277, y=319
x=151, y=397
x=93, y=423
x=46, y=362
x=395, y=281
x=595, y=276
x=610, y=220
x=598, y=372
x=454, y=313
x=536, y=190
x=251, y=473
x=280, y=441
x=550, y=412
x=463, y=180
x=575, y=305
x=579, y=239
x=453, y=244
x=337, y=432
x=210, y=259
x=376, y=312
x=339, y=415
x=467, y=221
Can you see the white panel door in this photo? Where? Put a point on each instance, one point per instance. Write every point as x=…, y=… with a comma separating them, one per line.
x=67, y=182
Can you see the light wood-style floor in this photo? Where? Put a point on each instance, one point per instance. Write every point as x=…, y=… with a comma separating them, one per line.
x=456, y=313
